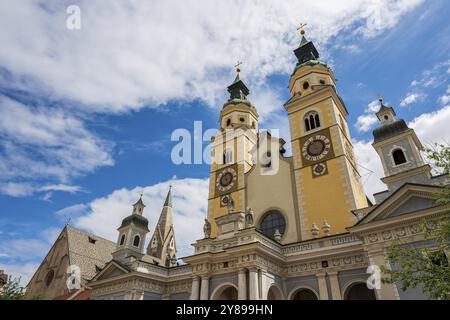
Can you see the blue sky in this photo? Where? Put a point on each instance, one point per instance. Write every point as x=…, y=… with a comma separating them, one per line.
x=87, y=115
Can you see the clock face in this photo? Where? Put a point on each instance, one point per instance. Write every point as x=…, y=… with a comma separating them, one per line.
x=319, y=169
x=226, y=179
x=316, y=147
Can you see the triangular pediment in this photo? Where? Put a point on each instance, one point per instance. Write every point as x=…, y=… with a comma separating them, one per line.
x=408, y=199
x=111, y=270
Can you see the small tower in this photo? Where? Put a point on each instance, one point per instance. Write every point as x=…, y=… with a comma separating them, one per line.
x=399, y=150
x=132, y=233
x=162, y=247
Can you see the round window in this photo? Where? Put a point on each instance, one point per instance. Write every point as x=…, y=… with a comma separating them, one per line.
x=49, y=277
x=272, y=221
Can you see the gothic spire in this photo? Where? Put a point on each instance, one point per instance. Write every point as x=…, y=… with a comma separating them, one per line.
x=162, y=245
x=168, y=202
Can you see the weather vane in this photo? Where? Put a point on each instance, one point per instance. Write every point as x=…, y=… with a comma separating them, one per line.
x=237, y=66
x=300, y=28
x=141, y=193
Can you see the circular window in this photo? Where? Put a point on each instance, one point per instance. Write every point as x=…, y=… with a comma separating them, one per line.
x=49, y=277
x=241, y=119
x=386, y=117
x=272, y=221
x=305, y=85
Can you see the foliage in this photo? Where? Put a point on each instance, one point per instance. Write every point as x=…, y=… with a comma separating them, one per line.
x=427, y=266
x=12, y=290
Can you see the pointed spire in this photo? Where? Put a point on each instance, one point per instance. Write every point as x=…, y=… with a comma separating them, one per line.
x=162, y=245
x=168, y=202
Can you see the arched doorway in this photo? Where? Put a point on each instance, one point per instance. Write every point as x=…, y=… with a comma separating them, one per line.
x=225, y=292
x=304, y=294
x=274, y=293
x=359, y=291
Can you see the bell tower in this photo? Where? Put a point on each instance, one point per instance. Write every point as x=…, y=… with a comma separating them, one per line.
x=231, y=153
x=132, y=233
x=326, y=176
x=399, y=150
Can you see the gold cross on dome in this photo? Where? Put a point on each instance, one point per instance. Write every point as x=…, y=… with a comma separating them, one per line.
x=237, y=66
x=300, y=28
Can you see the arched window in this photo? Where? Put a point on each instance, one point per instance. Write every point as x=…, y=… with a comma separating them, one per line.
x=136, y=241
x=49, y=277
x=122, y=240
x=227, y=156
x=398, y=156
x=272, y=221
x=312, y=121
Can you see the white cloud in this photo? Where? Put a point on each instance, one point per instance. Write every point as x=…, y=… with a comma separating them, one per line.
x=24, y=249
x=365, y=122
x=72, y=212
x=432, y=127
x=24, y=271
x=412, y=98
x=24, y=189
x=128, y=54
x=190, y=198
x=369, y=167
x=445, y=99
x=43, y=143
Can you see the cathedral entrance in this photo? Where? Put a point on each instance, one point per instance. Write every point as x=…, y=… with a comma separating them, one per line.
x=359, y=291
x=226, y=292
x=304, y=294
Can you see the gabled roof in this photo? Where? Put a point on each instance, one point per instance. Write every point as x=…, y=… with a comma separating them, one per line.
x=399, y=202
x=110, y=267
x=90, y=256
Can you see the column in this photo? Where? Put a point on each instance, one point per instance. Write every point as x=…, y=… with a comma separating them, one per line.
x=128, y=295
x=264, y=288
x=195, y=290
x=334, y=283
x=253, y=283
x=242, y=284
x=204, y=292
x=323, y=291
x=387, y=291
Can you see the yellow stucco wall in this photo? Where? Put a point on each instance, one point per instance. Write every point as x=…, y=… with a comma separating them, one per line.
x=266, y=192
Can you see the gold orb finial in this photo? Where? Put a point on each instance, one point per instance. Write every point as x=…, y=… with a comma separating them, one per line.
x=300, y=28
x=238, y=69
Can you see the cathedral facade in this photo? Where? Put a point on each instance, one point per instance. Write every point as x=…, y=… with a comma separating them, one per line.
x=279, y=227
